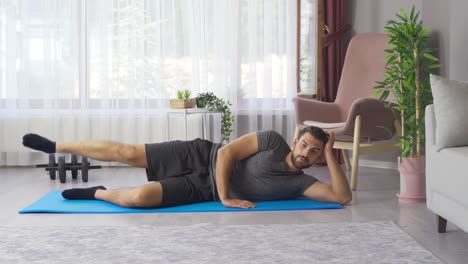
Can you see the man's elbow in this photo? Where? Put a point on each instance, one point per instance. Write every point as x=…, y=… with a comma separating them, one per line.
x=222, y=152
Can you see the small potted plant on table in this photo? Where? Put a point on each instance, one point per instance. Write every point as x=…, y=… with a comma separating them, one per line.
x=183, y=100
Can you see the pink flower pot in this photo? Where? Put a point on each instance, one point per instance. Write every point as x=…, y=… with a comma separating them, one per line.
x=412, y=180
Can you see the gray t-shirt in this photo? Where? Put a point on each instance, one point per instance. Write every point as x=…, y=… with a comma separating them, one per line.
x=263, y=176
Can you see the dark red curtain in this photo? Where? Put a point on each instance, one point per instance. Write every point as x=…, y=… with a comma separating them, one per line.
x=333, y=51
x=333, y=47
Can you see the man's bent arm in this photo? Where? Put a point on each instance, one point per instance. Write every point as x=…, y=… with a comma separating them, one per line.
x=339, y=183
x=224, y=165
x=239, y=149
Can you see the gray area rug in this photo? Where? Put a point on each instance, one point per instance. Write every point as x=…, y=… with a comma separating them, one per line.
x=373, y=242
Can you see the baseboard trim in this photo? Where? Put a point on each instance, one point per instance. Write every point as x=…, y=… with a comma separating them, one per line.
x=378, y=164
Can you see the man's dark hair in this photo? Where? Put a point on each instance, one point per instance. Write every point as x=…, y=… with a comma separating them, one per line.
x=316, y=132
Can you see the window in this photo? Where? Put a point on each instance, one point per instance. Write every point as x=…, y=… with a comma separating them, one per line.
x=307, y=58
x=91, y=54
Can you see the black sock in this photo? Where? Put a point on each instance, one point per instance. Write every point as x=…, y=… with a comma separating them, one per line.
x=38, y=143
x=82, y=193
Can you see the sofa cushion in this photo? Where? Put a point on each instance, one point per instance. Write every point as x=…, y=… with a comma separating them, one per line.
x=450, y=105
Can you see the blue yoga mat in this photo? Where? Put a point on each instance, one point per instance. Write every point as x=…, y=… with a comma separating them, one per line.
x=54, y=203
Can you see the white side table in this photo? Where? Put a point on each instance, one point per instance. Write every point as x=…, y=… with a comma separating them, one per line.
x=189, y=111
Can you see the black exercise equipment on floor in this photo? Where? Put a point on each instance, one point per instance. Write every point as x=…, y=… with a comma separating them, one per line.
x=61, y=167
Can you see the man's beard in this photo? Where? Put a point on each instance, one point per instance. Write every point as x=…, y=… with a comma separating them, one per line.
x=296, y=164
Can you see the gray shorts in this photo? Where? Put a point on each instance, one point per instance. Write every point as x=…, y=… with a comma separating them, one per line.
x=183, y=169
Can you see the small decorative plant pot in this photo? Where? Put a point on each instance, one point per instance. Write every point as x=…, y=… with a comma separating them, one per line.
x=182, y=103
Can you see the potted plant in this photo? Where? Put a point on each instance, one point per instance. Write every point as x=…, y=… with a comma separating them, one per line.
x=213, y=103
x=408, y=64
x=183, y=100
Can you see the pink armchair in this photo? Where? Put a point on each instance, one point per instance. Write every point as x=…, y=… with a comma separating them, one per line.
x=359, y=122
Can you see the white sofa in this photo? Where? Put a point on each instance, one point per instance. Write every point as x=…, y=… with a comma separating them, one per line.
x=446, y=179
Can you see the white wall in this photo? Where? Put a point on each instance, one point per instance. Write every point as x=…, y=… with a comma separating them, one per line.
x=436, y=15
x=371, y=15
x=458, y=40
x=447, y=21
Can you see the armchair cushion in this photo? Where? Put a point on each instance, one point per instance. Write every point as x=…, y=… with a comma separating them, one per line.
x=324, y=125
x=310, y=109
x=376, y=120
x=450, y=107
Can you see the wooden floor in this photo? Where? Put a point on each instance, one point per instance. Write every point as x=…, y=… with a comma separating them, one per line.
x=374, y=200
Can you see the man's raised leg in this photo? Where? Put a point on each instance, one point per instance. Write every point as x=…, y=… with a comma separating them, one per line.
x=133, y=155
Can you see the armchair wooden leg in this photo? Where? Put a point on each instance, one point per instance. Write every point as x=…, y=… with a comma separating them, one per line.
x=346, y=159
x=356, y=143
x=354, y=169
x=441, y=224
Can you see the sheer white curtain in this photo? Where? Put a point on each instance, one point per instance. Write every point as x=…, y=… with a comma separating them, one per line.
x=39, y=58
x=105, y=69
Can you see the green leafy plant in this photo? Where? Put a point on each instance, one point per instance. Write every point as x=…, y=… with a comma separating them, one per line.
x=213, y=103
x=408, y=65
x=183, y=94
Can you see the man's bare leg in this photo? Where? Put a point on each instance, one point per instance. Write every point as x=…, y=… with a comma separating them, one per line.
x=133, y=155
x=145, y=196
